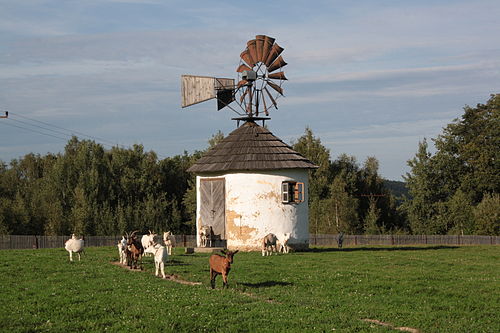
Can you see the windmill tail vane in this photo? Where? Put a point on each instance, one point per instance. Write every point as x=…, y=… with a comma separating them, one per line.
x=259, y=83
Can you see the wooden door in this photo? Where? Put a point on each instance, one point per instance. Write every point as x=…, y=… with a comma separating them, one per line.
x=213, y=205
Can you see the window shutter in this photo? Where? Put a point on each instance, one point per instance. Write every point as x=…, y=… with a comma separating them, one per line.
x=285, y=196
x=299, y=192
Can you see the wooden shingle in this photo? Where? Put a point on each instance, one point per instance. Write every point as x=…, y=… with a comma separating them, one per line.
x=251, y=147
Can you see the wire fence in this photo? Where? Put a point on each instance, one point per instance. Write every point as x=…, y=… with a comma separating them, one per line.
x=355, y=240
x=44, y=242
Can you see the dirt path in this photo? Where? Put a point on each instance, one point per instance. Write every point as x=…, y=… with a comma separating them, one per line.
x=169, y=277
x=177, y=279
x=389, y=325
x=263, y=299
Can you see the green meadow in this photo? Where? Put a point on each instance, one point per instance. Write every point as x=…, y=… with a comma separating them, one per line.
x=359, y=289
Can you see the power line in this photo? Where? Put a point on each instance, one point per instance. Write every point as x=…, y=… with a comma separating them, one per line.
x=47, y=134
x=96, y=139
x=44, y=128
x=65, y=129
x=32, y=130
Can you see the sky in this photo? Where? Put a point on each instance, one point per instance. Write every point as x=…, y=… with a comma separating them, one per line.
x=369, y=78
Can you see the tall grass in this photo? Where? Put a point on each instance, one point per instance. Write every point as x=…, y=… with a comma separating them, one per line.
x=432, y=289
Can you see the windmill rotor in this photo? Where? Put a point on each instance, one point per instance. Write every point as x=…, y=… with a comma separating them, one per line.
x=261, y=60
x=259, y=83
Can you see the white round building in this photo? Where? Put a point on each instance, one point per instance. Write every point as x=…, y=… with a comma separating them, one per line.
x=249, y=185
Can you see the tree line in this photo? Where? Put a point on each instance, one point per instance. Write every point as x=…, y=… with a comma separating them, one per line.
x=92, y=191
x=89, y=190
x=456, y=189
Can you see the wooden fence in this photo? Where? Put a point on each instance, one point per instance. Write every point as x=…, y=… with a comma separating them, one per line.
x=356, y=240
x=42, y=242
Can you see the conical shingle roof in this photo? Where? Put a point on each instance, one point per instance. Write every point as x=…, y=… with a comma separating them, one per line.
x=251, y=147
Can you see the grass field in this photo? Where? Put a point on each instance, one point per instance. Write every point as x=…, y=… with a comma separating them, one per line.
x=429, y=289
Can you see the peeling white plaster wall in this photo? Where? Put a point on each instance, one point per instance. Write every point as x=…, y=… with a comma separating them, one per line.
x=254, y=208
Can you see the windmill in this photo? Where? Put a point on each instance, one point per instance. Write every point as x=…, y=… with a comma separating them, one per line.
x=260, y=79
x=251, y=182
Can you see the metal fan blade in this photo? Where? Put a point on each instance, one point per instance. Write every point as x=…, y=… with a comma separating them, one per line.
x=275, y=87
x=273, y=54
x=271, y=97
x=265, y=106
x=266, y=47
x=242, y=97
x=245, y=55
x=277, y=64
x=242, y=83
x=259, y=43
x=249, y=109
x=242, y=68
x=278, y=76
x=253, y=50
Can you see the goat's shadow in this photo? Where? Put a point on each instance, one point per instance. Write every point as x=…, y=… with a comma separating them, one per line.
x=392, y=248
x=265, y=284
x=173, y=262
x=169, y=262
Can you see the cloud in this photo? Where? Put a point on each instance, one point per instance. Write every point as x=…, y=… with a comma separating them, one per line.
x=28, y=27
x=399, y=72
x=420, y=82
x=366, y=76
x=70, y=68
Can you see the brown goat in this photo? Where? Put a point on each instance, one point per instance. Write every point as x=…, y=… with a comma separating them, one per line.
x=134, y=250
x=220, y=265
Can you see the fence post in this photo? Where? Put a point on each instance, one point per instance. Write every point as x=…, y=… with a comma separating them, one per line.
x=184, y=240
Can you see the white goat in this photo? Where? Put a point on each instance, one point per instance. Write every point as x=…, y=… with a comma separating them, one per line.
x=161, y=256
x=269, y=245
x=122, y=250
x=169, y=241
x=206, y=236
x=148, y=240
x=74, y=245
x=284, y=248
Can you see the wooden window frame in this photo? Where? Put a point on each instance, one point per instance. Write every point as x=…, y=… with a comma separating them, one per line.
x=292, y=192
